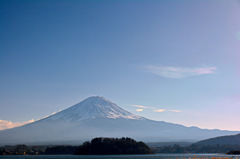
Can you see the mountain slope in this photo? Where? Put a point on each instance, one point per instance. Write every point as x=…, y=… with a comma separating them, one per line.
x=98, y=117
x=222, y=140
x=93, y=107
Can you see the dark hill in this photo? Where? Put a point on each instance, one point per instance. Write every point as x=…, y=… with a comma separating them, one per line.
x=222, y=140
x=112, y=146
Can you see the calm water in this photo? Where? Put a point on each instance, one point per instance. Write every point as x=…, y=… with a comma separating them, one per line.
x=154, y=156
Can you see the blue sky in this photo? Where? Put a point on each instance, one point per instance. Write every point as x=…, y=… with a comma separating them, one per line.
x=179, y=57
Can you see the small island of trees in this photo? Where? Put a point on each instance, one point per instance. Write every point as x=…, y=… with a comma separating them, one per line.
x=112, y=146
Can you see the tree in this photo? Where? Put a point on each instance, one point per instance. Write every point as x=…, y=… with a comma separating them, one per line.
x=21, y=150
x=104, y=146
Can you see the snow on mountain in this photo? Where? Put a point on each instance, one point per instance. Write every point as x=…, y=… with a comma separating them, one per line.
x=91, y=108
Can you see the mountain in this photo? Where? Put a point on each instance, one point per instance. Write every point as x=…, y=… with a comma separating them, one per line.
x=222, y=140
x=98, y=117
x=91, y=108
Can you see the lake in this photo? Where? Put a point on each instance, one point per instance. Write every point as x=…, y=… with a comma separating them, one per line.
x=152, y=156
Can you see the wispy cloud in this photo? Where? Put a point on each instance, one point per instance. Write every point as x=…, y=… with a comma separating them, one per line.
x=4, y=124
x=160, y=110
x=179, y=72
x=153, y=108
x=141, y=106
x=177, y=111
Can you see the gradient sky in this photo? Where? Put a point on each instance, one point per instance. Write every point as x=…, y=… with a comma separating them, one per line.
x=167, y=60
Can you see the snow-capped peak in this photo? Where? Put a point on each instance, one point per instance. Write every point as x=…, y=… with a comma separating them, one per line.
x=94, y=107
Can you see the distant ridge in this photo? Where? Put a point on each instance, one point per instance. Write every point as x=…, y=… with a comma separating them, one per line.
x=222, y=140
x=99, y=117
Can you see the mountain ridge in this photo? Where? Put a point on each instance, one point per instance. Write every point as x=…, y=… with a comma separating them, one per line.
x=98, y=117
x=222, y=140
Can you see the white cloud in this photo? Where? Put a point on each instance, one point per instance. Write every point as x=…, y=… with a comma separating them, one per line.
x=160, y=110
x=179, y=72
x=153, y=108
x=4, y=124
x=141, y=106
x=177, y=111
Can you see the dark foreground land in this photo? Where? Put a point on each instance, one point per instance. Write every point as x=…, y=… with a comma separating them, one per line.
x=97, y=146
x=234, y=152
x=195, y=148
x=113, y=146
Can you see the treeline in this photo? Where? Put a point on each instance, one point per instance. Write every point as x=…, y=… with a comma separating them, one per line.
x=102, y=146
x=61, y=150
x=196, y=149
x=22, y=150
x=110, y=146
x=99, y=146
x=37, y=150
